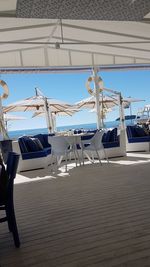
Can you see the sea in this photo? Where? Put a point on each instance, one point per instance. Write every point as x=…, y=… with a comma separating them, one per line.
x=89, y=126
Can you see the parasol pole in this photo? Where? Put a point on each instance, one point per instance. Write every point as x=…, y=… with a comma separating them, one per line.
x=54, y=122
x=48, y=114
x=121, y=111
x=96, y=90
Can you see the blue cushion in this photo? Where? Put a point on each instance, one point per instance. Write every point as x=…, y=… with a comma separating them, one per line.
x=113, y=135
x=47, y=150
x=92, y=131
x=35, y=154
x=37, y=143
x=107, y=137
x=87, y=137
x=133, y=131
x=111, y=144
x=104, y=138
x=41, y=138
x=45, y=136
x=77, y=131
x=139, y=139
x=22, y=145
x=128, y=130
x=31, y=145
x=140, y=131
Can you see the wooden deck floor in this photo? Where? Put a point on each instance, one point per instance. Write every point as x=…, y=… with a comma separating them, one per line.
x=94, y=216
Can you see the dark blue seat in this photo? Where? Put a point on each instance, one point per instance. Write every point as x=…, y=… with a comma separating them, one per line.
x=31, y=149
x=44, y=139
x=7, y=202
x=110, y=139
x=111, y=144
x=136, y=134
x=34, y=154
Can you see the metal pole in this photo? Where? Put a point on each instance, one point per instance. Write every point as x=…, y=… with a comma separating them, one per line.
x=54, y=122
x=96, y=90
x=121, y=110
x=48, y=115
x=131, y=113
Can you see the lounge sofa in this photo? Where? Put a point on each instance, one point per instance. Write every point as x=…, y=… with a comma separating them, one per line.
x=114, y=143
x=35, y=152
x=137, y=139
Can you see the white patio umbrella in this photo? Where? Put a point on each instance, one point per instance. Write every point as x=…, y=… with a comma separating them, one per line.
x=90, y=102
x=39, y=102
x=107, y=102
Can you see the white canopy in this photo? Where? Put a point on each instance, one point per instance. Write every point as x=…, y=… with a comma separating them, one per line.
x=40, y=103
x=36, y=103
x=106, y=101
x=65, y=43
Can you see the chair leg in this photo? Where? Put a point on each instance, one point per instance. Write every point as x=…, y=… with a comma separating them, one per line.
x=51, y=162
x=9, y=221
x=66, y=162
x=13, y=226
x=15, y=233
x=106, y=155
x=82, y=154
x=98, y=157
x=92, y=156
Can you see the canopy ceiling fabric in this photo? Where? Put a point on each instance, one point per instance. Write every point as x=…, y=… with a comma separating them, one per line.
x=60, y=44
x=133, y=10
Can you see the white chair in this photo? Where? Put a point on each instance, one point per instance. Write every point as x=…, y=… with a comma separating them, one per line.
x=73, y=141
x=95, y=145
x=59, y=149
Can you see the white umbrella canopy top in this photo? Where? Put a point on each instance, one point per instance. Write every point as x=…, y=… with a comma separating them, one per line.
x=36, y=103
x=90, y=102
x=106, y=102
x=39, y=102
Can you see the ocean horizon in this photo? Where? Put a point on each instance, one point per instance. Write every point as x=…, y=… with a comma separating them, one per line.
x=87, y=126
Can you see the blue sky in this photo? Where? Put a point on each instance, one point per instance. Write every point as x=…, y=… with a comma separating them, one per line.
x=71, y=88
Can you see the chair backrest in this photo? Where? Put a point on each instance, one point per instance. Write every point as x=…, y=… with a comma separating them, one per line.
x=11, y=169
x=96, y=140
x=59, y=145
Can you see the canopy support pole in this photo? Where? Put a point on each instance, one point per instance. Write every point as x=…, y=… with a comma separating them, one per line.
x=96, y=90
